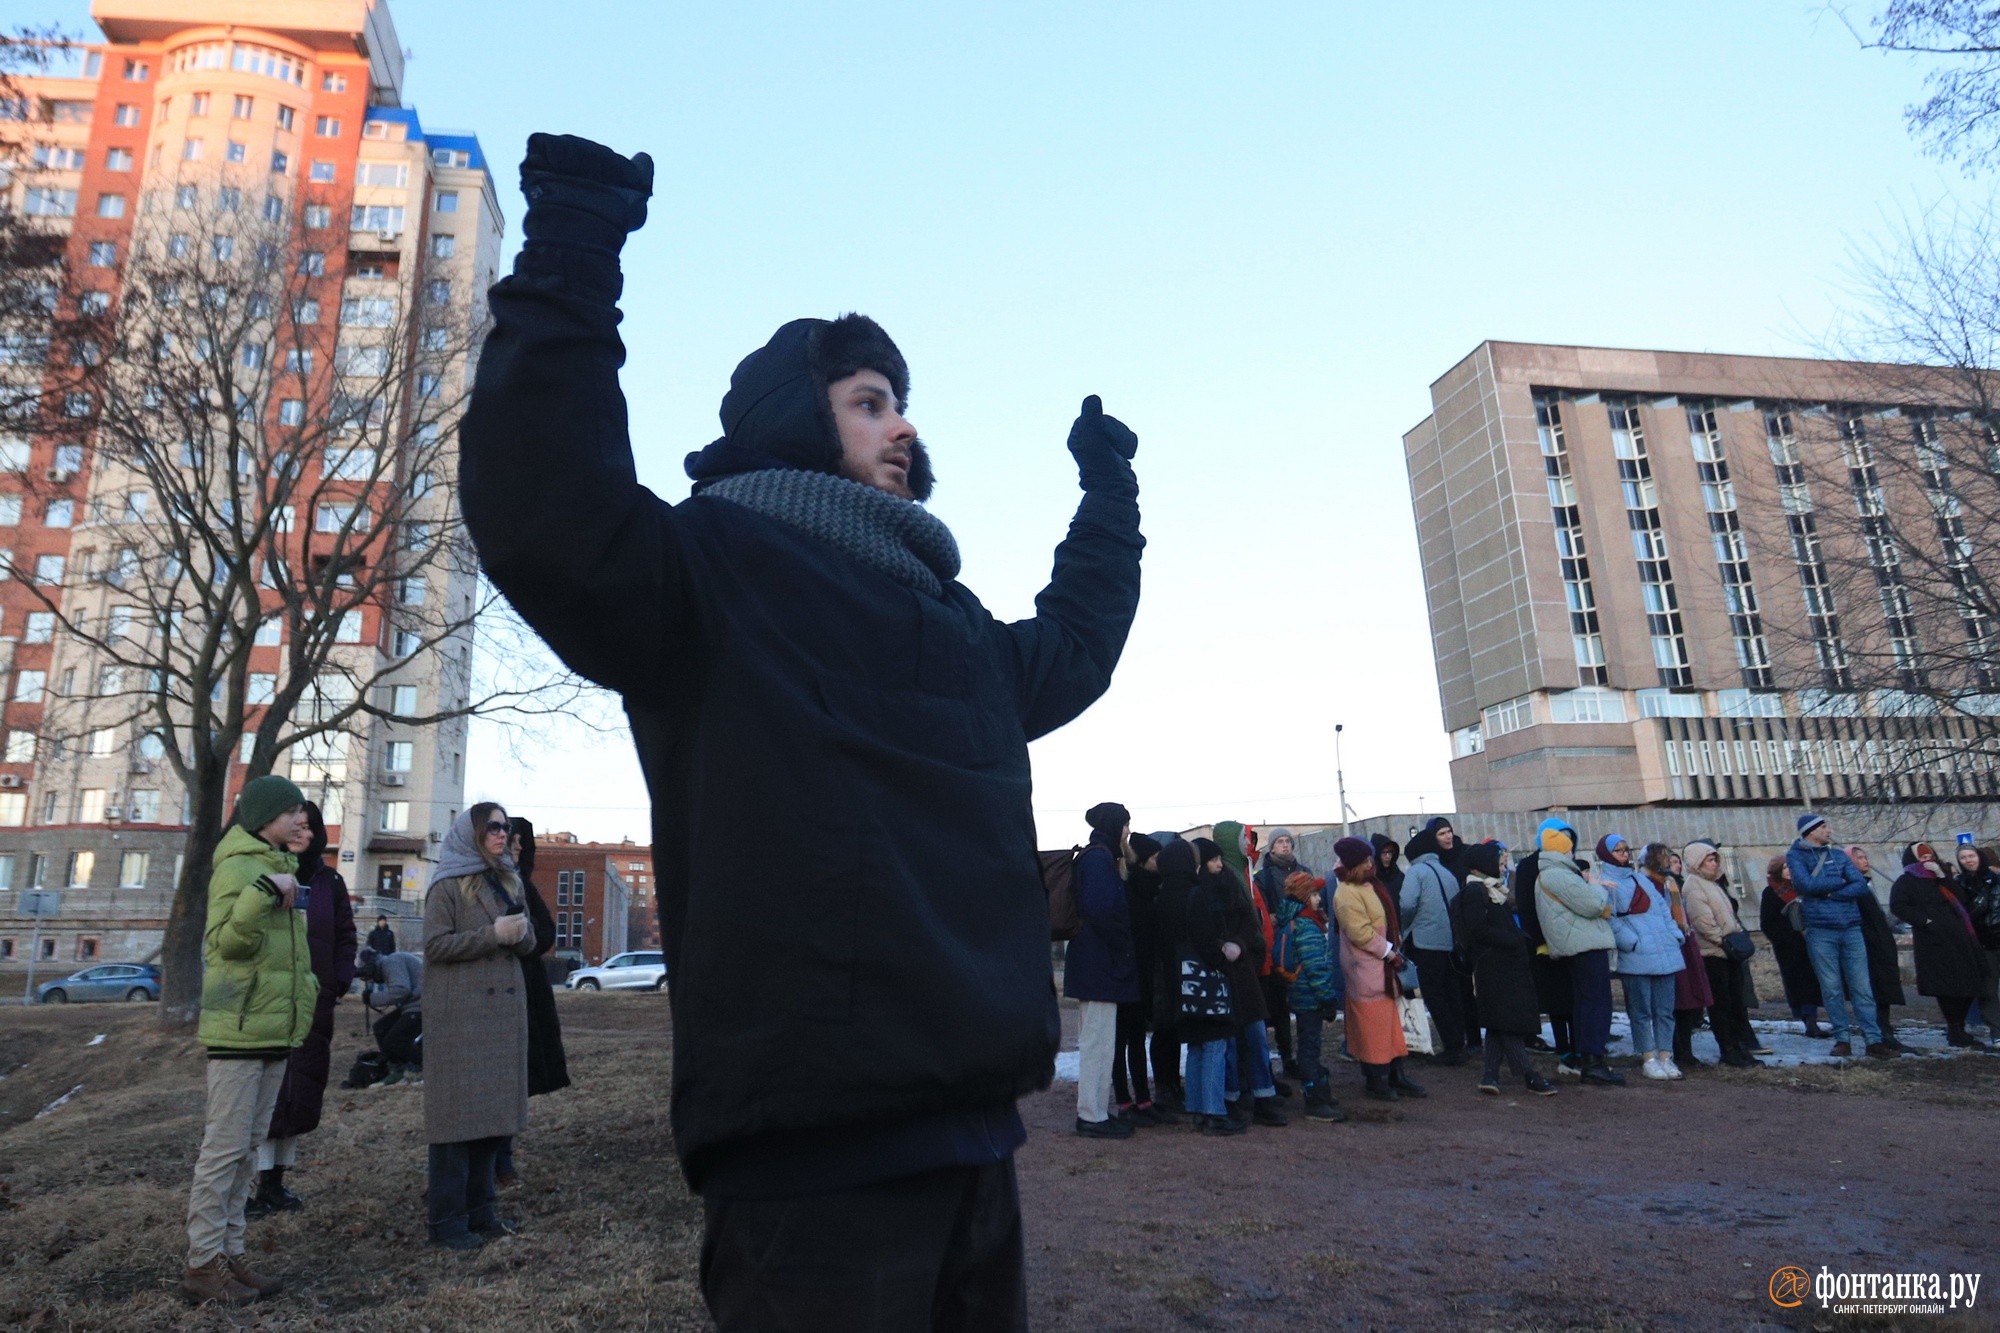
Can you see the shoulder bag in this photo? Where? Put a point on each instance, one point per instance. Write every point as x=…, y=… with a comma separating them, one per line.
x=1204, y=992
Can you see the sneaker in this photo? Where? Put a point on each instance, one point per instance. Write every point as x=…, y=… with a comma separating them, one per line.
x=1571, y=1065
x=1540, y=1086
x=1653, y=1069
x=1490, y=1086
x=1669, y=1068
x=1268, y=1114
x=1325, y=1112
x=1841, y=1050
x=1112, y=1128
x=1603, y=1074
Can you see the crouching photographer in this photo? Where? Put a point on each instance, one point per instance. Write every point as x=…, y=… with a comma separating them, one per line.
x=396, y=986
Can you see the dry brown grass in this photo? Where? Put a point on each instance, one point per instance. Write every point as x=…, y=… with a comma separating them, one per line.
x=91, y=1236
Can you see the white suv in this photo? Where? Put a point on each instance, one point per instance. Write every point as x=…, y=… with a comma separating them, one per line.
x=626, y=971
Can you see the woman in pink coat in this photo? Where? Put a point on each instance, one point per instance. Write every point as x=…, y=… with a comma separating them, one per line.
x=1366, y=915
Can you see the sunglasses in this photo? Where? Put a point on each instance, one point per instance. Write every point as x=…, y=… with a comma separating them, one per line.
x=498, y=826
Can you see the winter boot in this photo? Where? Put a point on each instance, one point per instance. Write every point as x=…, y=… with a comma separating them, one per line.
x=214, y=1282
x=1402, y=1083
x=286, y=1200
x=1378, y=1083
x=1684, y=1056
x=1266, y=1113
x=239, y=1268
x=1320, y=1104
x=1597, y=1070
x=1222, y=1126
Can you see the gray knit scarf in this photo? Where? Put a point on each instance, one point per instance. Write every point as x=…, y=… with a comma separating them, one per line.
x=899, y=537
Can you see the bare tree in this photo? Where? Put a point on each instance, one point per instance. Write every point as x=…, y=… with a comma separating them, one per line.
x=31, y=239
x=1960, y=120
x=1891, y=502
x=270, y=445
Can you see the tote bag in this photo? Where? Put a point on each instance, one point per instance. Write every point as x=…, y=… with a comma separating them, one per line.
x=1416, y=1018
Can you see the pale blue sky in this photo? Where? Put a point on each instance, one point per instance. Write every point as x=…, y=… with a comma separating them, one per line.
x=1259, y=231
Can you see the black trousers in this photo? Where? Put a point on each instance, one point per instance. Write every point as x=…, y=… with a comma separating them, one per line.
x=1279, y=1021
x=1443, y=996
x=1167, y=1063
x=1729, y=1016
x=1128, y=1053
x=940, y=1250
x=461, y=1186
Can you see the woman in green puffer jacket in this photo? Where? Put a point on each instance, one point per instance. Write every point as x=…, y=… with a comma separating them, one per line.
x=257, y=997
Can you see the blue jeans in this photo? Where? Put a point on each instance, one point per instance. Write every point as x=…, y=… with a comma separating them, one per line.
x=1206, y=1066
x=1840, y=961
x=1649, y=1003
x=1254, y=1049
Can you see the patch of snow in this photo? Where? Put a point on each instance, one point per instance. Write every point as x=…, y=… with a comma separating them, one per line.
x=59, y=1101
x=97, y=1040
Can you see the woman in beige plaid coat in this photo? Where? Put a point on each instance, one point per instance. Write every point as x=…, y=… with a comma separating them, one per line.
x=475, y=1024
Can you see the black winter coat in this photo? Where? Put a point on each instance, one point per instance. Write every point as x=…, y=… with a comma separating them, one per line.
x=1981, y=896
x=548, y=1070
x=1500, y=973
x=1788, y=946
x=763, y=669
x=1142, y=899
x=1173, y=924
x=1949, y=960
x=1885, y=960
x=1216, y=913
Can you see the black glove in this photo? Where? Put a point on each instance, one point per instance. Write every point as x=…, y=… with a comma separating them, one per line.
x=583, y=194
x=1103, y=448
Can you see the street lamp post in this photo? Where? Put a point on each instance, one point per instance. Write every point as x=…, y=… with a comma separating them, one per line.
x=1340, y=776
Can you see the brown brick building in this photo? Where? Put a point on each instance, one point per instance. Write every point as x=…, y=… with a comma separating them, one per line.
x=601, y=894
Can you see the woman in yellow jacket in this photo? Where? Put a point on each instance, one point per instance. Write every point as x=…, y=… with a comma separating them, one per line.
x=257, y=997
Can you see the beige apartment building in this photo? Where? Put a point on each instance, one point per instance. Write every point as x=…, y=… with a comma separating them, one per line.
x=1630, y=602
x=278, y=109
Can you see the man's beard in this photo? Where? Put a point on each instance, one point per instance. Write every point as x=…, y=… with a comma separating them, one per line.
x=922, y=478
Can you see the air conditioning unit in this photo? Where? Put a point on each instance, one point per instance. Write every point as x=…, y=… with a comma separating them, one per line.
x=393, y=779
x=388, y=237
x=141, y=766
x=113, y=813
x=10, y=780
x=60, y=474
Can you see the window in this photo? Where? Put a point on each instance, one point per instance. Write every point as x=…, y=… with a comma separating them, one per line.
x=395, y=817
x=247, y=59
x=126, y=117
x=335, y=517
x=333, y=83
x=274, y=208
x=299, y=361
x=349, y=629
x=368, y=312
x=327, y=127
x=90, y=808
x=451, y=157
x=1669, y=703
x=240, y=107
x=443, y=247
x=280, y=163
x=365, y=359
x=352, y=464
x=1587, y=705
x=1467, y=741
x=321, y=171
x=111, y=205
x=402, y=700
x=198, y=104
x=48, y=569
x=1512, y=715
x=13, y=809
x=191, y=150
x=410, y=591
x=292, y=412
x=1749, y=703
x=20, y=747
x=305, y=312
x=392, y=175
x=376, y=217
x=407, y=642
x=262, y=688
x=428, y=385
x=103, y=254
x=92, y=303
x=103, y=743
x=132, y=866
x=223, y=247
x=137, y=71
x=286, y=117
x=236, y=152
x=10, y=510
x=47, y=203
x=437, y=291
x=118, y=159
x=447, y=201
x=28, y=686
x=41, y=627
x=398, y=756
x=312, y=264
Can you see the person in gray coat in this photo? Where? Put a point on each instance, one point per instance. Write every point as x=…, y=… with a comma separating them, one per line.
x=476, y=1024
x=1424, y=905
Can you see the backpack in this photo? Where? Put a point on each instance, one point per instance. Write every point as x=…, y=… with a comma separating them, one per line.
x=369, y=1069
x=1059, y=880
x=1284, y=953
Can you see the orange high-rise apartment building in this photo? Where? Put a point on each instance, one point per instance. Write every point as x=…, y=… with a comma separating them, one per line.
x=278, y=104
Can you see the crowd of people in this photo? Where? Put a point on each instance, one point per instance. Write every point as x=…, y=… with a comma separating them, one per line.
x=1240, y=956
x=280, y=953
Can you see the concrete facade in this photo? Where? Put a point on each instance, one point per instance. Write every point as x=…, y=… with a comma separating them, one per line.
x=1594, y=526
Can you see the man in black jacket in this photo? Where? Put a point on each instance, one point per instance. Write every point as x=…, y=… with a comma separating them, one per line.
x=793, y=648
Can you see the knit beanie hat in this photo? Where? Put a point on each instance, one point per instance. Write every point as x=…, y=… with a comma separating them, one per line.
x=1205, y=851
x=1144, y=848
x=1552, y=835
x=1302, y=886
x=265, y=798
x=1282, y=832
x=1108, y=818
x=1810, y=821
x=1351, y=852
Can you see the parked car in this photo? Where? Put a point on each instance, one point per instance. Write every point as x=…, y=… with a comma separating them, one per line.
x=107, y=981
x=625, y=971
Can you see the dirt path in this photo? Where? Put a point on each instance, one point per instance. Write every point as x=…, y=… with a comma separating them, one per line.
x=1632, y=1209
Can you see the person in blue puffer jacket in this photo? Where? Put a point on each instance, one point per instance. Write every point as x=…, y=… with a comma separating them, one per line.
x=1830, y=888
x=1649, y=952
x=1313, y=990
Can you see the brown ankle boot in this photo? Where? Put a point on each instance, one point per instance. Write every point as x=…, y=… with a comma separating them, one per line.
x=213, y=1282
x=239, y=1268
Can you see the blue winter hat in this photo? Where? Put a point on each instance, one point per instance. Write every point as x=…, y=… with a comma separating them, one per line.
x=1809, y=821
